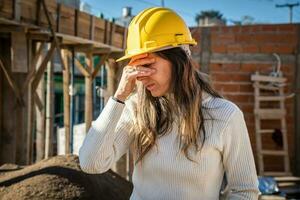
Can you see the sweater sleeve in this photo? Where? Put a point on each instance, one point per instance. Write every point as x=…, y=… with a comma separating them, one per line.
x=238, y=160
x=107, y=139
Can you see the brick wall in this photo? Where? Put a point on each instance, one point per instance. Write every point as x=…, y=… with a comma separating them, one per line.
x=231, y=54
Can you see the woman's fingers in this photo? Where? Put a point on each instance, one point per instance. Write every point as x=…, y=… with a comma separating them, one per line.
x=134, y=72
x=138, y=57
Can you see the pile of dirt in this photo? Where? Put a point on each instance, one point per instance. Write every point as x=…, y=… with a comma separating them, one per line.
x=60, y=177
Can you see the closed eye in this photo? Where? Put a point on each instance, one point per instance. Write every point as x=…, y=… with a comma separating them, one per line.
x=147, y=65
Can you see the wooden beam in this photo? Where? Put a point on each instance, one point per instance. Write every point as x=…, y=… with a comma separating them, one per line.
x=12, y=84
x=98, y=66
x=38, y=12
x=79, y=47
x=88, y=114
x=76, y=22
x=30, y=112
x=40, y=112
x=105, y=31
x=66, y=83
x=53, y=33
x=43, y=66
x=32, y=68
x=38, y=102
x=58, y=18
x=39, y=36
x=80, y=67
x=1, y=4
x=49, y=111
x=92, y=27
x=100, y=51
x=17, y=10
x=111, y=67
x=112, y=33
x=7, y=28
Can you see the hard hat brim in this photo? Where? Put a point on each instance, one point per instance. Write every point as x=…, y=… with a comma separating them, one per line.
x=128, y=56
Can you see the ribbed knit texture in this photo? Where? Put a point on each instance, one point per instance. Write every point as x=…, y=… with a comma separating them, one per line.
x=165, y=172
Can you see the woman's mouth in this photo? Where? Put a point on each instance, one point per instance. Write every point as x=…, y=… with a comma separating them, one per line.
x=150, y=86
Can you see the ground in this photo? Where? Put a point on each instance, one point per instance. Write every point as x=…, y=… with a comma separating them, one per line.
x=60, y=177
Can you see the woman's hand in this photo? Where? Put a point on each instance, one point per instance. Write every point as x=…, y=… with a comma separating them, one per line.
x=131, y=72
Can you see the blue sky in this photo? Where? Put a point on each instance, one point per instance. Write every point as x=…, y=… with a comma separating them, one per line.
x=263, y=11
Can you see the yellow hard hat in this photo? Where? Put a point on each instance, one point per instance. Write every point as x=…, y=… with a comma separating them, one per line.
x=155, y=29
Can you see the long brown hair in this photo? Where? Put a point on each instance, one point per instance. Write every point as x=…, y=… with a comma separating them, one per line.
x=154, y=116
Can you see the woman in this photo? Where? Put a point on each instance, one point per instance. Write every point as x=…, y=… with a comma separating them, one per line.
x=187, y=139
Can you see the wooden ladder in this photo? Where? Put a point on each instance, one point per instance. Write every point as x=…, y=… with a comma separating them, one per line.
x=263, y=84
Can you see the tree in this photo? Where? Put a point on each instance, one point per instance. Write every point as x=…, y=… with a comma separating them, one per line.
x=212, y=14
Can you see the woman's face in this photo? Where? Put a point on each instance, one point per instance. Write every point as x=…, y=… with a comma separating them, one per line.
x=160, y=81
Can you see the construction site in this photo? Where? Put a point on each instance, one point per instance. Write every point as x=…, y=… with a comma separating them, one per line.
x=58, y=69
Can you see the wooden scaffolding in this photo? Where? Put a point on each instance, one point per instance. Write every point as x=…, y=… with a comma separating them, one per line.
x=28, y=27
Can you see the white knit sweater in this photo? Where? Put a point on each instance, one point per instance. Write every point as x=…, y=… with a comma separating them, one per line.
x=166, y=173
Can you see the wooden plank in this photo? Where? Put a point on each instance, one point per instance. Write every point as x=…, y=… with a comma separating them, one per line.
x=88, y=114
x=92, y=27
x=98, y=66
x=29, y=11
x=67, y=20
x=273, y=98
x=51, y=6
x=271, y=197
x=266, y=131
x=270, y=113
x=38, y=101
x=43, y=66
x=9, y=107
x=263, y=78
x=39, y=108
x=257, y=134
x=11, y=28
x=76, y=24
x=58, y=18
x=30, y=114
x=31, y=73
x=12, y=83
x=17, y=10
x=45, y=37
x=38, y=12
x=19, y=52
x=99, y=34
x=265, y=87
x=49, y=111
x=84, y=25
x=80, y=67
x=106, y=35
x=111, y=67
x=66, y=83
x=275, y=173
x=284, y=136
x=274, y=152
x=79, y=47
x=111, y=33
x=6, y=9
x=287, y=178
x=55, y=39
